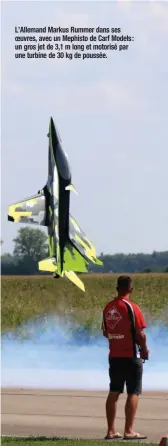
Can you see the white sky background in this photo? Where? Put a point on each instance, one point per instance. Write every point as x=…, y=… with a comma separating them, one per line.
x=112, y=117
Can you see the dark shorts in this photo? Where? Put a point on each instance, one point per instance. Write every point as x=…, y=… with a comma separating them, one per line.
x=126, y=371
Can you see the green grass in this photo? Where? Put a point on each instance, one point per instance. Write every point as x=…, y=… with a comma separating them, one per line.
x=24, y=298
x=6, y=441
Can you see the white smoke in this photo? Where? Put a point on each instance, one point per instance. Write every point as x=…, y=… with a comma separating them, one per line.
x=53, y=354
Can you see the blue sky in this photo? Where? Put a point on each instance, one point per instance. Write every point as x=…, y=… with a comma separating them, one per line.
x=111, y=115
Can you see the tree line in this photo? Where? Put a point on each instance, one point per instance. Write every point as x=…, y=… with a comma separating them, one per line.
x=31, y=246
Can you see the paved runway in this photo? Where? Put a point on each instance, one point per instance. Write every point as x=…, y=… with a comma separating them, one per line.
x=79, y=414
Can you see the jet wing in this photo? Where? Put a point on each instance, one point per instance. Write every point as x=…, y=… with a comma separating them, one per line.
x=73, y=261
x=32, y=210
x=81, y=242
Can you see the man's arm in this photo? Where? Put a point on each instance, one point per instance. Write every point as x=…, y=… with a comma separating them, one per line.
x=141, y=340
x=140, y=324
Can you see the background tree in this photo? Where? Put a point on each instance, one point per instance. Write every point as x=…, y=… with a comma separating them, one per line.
x=147, y=270
x=132, y=263
x=8, y=264
x=30, y=246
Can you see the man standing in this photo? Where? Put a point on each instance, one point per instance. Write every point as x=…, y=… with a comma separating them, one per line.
x=123, y=325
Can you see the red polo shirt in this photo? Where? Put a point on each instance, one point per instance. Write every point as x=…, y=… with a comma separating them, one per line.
x=118, y=318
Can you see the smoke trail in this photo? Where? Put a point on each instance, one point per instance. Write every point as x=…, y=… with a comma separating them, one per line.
x=51, y=353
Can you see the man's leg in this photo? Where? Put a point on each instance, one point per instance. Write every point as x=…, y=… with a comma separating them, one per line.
x=134, y=389
x=130, y=411
x=111, y=409
x=116, y=387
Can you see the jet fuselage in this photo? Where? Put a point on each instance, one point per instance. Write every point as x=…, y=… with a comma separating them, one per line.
x=60, y=176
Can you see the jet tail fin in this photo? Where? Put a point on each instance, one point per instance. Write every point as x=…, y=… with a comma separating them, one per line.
x=75, y=279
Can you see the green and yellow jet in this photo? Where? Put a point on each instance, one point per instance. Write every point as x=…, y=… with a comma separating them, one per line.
x=70, y=251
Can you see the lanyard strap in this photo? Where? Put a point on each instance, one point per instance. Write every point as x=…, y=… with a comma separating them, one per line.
x=131, y=315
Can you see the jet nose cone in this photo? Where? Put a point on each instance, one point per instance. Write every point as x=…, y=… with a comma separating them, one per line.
x=52, y=129
x=52, y=123
x=53, y=133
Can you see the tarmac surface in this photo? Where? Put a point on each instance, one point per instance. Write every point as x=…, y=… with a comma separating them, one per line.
x=77, y=414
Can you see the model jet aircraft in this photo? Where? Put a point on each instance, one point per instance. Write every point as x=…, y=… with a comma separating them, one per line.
x=69, y=249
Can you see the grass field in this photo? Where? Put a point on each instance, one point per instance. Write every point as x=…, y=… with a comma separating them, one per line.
x=24, y=298
x=12, y=441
